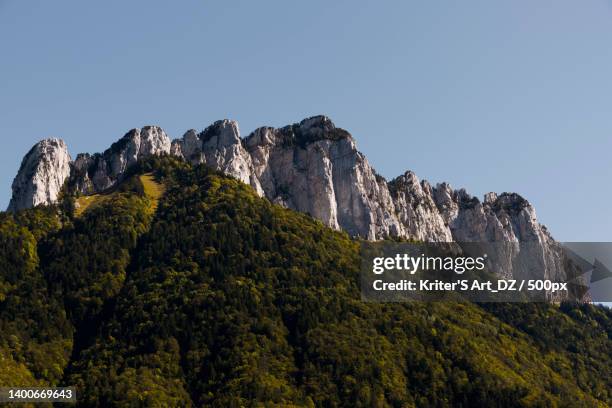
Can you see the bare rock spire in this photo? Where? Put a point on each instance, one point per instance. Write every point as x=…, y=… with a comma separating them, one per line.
x=42, y=173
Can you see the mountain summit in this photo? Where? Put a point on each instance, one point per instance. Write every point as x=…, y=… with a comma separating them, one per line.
x=311, y=166
x=42, y=173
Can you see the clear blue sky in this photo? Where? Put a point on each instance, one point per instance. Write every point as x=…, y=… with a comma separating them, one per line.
x=489, y=95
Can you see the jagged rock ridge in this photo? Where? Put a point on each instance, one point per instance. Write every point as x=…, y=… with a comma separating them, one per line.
x=311, y=166
x=98, y=172
x=218, y=146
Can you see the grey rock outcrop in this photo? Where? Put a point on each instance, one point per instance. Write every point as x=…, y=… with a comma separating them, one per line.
x=42, y=174
x=311, y=166
x=220, y=147
x=417, y=210
x=98, y=172
x=315, y=167
x=508, y=230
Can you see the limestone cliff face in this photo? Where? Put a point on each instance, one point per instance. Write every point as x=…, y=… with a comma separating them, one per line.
x=507, y=218
x=218, y=146
x=311, y=166
x=417, y=210
x=42, y=174
x=315, y=167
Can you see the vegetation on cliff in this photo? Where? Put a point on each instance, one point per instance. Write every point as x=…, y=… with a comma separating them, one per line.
x=212, y=296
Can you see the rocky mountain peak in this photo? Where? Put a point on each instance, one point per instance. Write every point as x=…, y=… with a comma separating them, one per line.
x=466, y=200
x=101, y=171
x=41, y=175
x=317, y=128
x=407, y=181
x=224, y=132
x=510, y=202
x=319, y=125
x=195, y=147
x=302, y=134
x=417, y=210
x=311, y=166
x=150, y=140
x=490, y=198
x=218, y=146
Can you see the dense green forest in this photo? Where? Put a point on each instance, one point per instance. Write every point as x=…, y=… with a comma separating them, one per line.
x=213, y=296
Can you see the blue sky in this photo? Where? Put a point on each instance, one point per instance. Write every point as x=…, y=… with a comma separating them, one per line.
x=491, y=96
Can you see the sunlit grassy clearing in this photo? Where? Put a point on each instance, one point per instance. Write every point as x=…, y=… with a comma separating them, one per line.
x=152, y=189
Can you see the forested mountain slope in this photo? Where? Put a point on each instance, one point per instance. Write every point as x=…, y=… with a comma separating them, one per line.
x=213, y=296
